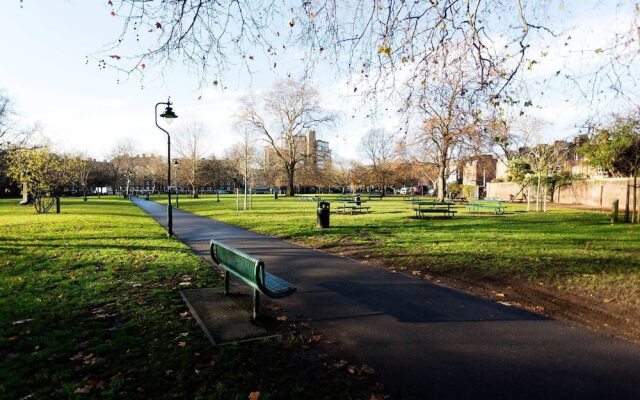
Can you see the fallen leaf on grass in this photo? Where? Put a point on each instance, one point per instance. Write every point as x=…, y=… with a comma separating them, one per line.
x=415, y=272
x=182, y=344
x=340, y=364
x=184, y=314
x=254, y=395
x=91, y=384
x=376, y=396
x=367, y=369
x=352, y=370
x=282, y=318
x=22, y=321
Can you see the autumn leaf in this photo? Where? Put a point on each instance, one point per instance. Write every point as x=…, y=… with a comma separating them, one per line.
x=292, y=23
x=384, y=49
x=142, y=66
x=115, y=56
x=113, y=13
x=158, y=25
x=312, y=16
x=110, y=2
x=254, y=395
x=376, y=396
x=182, y=344
x=367, y=369
x=282, y=318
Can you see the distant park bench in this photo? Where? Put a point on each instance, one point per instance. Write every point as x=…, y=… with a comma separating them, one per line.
x=371, y=196
x=433, y=207
x=344, y=197
x=310, y=197
x=251, y=271
x=488, y=205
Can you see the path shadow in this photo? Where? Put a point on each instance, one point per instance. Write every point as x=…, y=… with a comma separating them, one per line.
x=425, y=303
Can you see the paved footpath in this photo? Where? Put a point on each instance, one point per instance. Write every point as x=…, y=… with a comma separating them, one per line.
x=427, y=341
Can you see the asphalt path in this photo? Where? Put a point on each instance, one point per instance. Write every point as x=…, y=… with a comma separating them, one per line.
x=424, y=340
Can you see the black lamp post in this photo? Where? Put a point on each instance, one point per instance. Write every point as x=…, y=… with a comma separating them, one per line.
x=168, y=116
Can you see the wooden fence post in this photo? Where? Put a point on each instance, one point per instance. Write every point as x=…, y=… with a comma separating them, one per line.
x=614, y=211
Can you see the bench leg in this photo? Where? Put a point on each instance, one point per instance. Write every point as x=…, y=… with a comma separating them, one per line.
x=226, y=282
x=256, y=303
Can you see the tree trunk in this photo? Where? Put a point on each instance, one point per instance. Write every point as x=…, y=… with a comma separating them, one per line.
x=291, y=172
x=635, y=218
x=538, y=192
x=57, y=204
x=442, y=180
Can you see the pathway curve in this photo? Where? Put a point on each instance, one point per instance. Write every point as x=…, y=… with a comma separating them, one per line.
x=428, y=341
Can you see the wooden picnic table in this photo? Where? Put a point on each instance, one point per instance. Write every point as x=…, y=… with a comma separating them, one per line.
x=352, y=206
x=310, y=197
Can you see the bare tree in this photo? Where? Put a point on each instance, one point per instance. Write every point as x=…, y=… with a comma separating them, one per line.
x=378, y=147
x=81, y=169
x=122, y=163
x=154, y=170
x=191, y=146
x=365, y=38
x=448, y=99
x=244, y=154
x=291, y=110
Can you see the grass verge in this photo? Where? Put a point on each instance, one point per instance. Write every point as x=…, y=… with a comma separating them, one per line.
x=89, y=306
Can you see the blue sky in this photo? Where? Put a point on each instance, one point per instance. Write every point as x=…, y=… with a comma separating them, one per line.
x=83, y=108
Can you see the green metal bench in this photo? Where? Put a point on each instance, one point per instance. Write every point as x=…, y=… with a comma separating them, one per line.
x=479, y=206
x=251, y=271
x=433, y=207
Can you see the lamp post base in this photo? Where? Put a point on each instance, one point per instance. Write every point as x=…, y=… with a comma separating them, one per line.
x=169, y=220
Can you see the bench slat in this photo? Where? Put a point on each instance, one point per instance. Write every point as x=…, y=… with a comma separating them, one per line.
x=277, y=286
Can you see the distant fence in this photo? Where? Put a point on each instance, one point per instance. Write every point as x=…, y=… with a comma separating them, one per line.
x=591, y=192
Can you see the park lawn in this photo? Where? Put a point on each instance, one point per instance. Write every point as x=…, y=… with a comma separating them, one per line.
x=570, y=250
x=89, y=306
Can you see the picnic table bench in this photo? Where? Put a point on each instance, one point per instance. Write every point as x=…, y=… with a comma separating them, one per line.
x=459, y=199
x=487, y=205
x=251, y=271
x=433, y=207
x=352, y=206
x=307, y=197
x=374, y=196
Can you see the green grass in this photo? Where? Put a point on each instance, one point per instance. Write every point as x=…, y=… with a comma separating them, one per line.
x=89, y=306
x=568, y=249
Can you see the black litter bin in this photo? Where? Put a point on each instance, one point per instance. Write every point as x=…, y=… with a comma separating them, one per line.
x=324, y=208
x=275, y=194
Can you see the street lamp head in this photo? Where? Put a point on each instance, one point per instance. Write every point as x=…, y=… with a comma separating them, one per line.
x=168, y=114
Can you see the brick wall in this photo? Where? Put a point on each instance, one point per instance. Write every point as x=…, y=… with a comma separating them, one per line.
x=592, y=192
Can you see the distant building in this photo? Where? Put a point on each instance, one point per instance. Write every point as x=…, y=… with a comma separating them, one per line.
x=315, y=151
